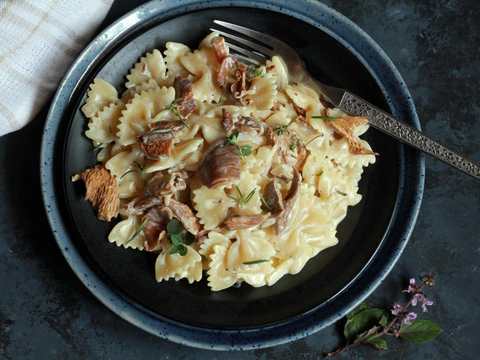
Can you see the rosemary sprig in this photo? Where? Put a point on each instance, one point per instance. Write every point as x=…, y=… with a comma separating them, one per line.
x=253, y=262
x=174, y=110
x=139, y=230
x=243, y=150
x=241, y=199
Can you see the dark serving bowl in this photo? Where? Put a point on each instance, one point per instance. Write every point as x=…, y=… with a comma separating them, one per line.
x=372, y=236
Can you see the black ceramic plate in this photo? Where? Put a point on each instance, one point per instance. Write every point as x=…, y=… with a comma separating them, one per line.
x=370, y=239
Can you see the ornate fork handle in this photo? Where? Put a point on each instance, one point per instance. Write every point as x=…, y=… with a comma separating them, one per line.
x=384, y=122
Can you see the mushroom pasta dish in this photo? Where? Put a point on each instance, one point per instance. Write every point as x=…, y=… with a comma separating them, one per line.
x=222, y=170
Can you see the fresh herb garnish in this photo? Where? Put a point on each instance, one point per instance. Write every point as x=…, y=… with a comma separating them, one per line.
x=341, y=193
x=254, y=72
x=255, y=262
x=174, y=110
x=241, y=199
x=325, y=118
x=280, y=130
x=371, y=326
x=179, y=237
x=243, y=150
x=136, y=233
x=232, y=139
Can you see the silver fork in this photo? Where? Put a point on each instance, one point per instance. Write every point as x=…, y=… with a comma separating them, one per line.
x=265, y=46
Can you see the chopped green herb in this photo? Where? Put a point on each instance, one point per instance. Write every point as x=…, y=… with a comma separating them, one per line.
x=126, y=173
x=341, y=193
x=254, y=72
x=245, y=150
x=139, y=230
x=280, y=130
x=179, y=237
x=232, y=138
x=178, y=249
x=139, y=167
x=313, y=139
x=255, y=262
x=325, y=118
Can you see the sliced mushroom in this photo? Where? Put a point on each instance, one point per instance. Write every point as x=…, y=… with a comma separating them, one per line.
x=239, y=87
x=220, y=48
x=273, y=198
x=185, y=101
x=155, y=220
x=140, y=205
x=220, y=165
x=284, y=218
x=227, y=121
x=270, y=136
x=238, y=222
x=301, y=156
x=343, y=127
x=226, y=71
x=159, y=140
x=248, y=123
x=101, y=191
x=186, y=216
x=164, y=183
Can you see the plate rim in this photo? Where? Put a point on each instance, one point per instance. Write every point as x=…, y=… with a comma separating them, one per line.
x=341, y=29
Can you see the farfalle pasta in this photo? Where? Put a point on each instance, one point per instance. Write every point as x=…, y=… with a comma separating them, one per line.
x=225, y=172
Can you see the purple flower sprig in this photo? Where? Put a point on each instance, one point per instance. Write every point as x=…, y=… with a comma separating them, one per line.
x=371, y=326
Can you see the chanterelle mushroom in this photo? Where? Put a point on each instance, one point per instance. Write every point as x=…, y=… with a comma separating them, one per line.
x=221, y=165
x=102, y=191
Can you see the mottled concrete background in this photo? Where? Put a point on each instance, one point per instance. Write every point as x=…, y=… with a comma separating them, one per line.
x=45, y=312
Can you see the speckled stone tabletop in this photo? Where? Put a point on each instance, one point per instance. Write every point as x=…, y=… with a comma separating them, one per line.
x=46, y=313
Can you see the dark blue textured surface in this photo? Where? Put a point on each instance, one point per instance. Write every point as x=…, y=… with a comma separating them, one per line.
x=46, y=313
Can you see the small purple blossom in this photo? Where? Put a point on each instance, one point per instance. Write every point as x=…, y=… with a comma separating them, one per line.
x=420, y=298
x=397, y=309
x=426, y=303
x=407, y=320
x=412, y=287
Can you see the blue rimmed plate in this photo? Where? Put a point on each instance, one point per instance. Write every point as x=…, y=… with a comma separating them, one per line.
x=370, y=240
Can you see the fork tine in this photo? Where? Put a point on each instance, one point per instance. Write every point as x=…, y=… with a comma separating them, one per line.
x=248, y=53
x=261, y=49
x=247, y=59
x=267, y=40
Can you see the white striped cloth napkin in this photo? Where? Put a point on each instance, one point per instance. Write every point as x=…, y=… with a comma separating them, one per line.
x=38, y=41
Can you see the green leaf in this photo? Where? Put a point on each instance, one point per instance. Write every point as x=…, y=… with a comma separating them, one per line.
x=178, y=249
x=176, y=239
x=384, y=320
x=420, y=331
x=255, y=262
x=361, y=322
x=174, y=227
x=233, y=138
x=245, y=150
x=362, y=306
x=377, y=342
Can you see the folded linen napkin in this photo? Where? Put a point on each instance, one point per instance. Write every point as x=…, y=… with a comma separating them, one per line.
x=38, y=41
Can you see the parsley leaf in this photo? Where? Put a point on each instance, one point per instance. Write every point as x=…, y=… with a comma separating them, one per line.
x=179, y=237
x=232, y=139
x=245, y=150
